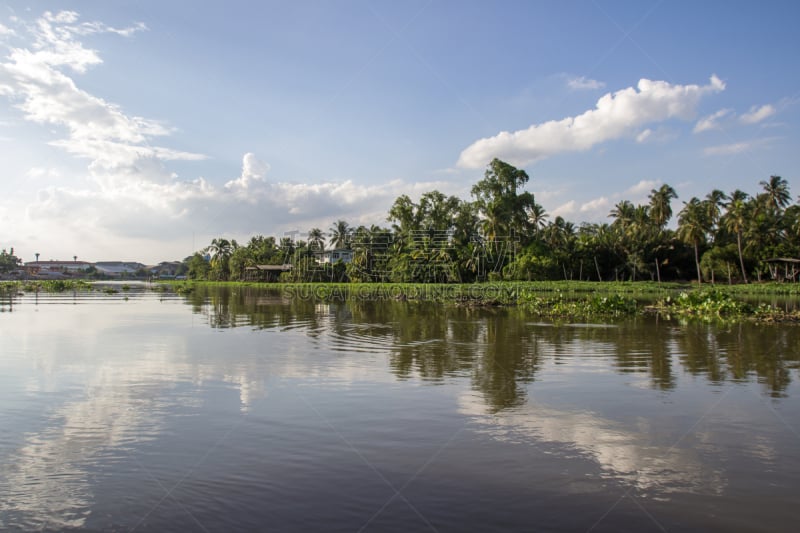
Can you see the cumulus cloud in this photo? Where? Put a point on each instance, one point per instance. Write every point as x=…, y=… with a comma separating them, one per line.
x=642, y=187
x=615, y=116
x=757, y=114
x=244, y=206
x=564, y=210
x=584, y=83
x=598, y=204
x=711, y=122
x=131, y=196
x=34, y=79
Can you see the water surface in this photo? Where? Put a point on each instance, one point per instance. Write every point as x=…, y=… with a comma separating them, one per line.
x=240, y=409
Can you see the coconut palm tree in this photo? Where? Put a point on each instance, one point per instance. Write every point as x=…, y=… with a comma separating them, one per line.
x=736, y=219
x=219, y=249
x=714, y=202
x=538, y=217
x=340, y=234
x=660, y=205
x=623, y=213
x=316, y=239
x=777, y=190
x=692, y=227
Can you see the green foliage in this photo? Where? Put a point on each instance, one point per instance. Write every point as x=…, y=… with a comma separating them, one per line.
x=198, y=267
x=9, y=261
x=53, y=285
x=706, y=303
x=594, y=305
x=502, y=235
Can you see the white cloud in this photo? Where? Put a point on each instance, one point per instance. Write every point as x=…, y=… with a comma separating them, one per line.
x=737, y=148
x=583, y=83
x=33, y=79
x=43, y=172
x=564, y=210
x=615, y=115
x=253, y=170
x=757, y=114
x=593, y=206
x=244, y=206
x=5, y=31
x=644, y=136
x=548, y=194
x=642, y=187
x=131, y=195
x=711, y=122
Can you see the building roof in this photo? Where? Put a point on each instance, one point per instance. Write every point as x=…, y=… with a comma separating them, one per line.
x=279, y=268
x=57, y=263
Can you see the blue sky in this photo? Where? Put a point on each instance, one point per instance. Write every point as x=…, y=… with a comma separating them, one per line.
x=140, y=130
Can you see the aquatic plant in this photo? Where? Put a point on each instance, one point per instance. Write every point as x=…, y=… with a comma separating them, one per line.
x=705, y=303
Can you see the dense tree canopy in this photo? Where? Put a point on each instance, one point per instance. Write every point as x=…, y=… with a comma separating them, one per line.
x=502, y=233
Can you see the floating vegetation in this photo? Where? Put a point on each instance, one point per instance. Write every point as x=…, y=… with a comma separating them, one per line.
x=47, y=285
x=614, y=305
x=707, y=303
x=184, y=288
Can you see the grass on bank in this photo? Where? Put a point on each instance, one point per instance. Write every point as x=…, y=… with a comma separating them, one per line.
x=558, y=299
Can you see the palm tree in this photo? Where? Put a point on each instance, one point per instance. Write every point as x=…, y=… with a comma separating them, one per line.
x=736, y=219
x=221, y=250
x=692, y=226
x=340, y=234
x=777, y=190
x=660, y=207
x=714, y=202
x=537, y=216
x=623, y=213
x=316, y=239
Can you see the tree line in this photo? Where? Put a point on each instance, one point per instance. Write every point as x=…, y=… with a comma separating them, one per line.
x=502, y=233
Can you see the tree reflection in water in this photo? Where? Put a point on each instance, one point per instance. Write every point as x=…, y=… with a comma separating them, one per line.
x=502, y=349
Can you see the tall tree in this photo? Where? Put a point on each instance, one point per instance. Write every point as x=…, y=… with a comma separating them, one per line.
x=404, y=214
x=538, y=217
x=660, y=204
x=692, y=227
x=714, y=202
x=340, y=234
x=736, y=220
x=777, y=190
x=497, y=197
x=316, y=239
x=221, y=250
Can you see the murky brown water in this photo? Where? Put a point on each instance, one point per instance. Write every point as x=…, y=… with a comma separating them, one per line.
x=238, y=409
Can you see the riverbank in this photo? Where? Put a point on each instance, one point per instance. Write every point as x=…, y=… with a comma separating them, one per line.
x=553, y=299
x=563, y=300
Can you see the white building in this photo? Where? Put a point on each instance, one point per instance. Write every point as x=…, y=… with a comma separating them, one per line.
x=117, y=268
x=332, y=256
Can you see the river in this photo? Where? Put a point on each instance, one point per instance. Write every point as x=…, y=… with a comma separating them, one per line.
x=240, y=409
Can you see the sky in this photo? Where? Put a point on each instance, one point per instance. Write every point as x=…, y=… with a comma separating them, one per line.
x=140, y=130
